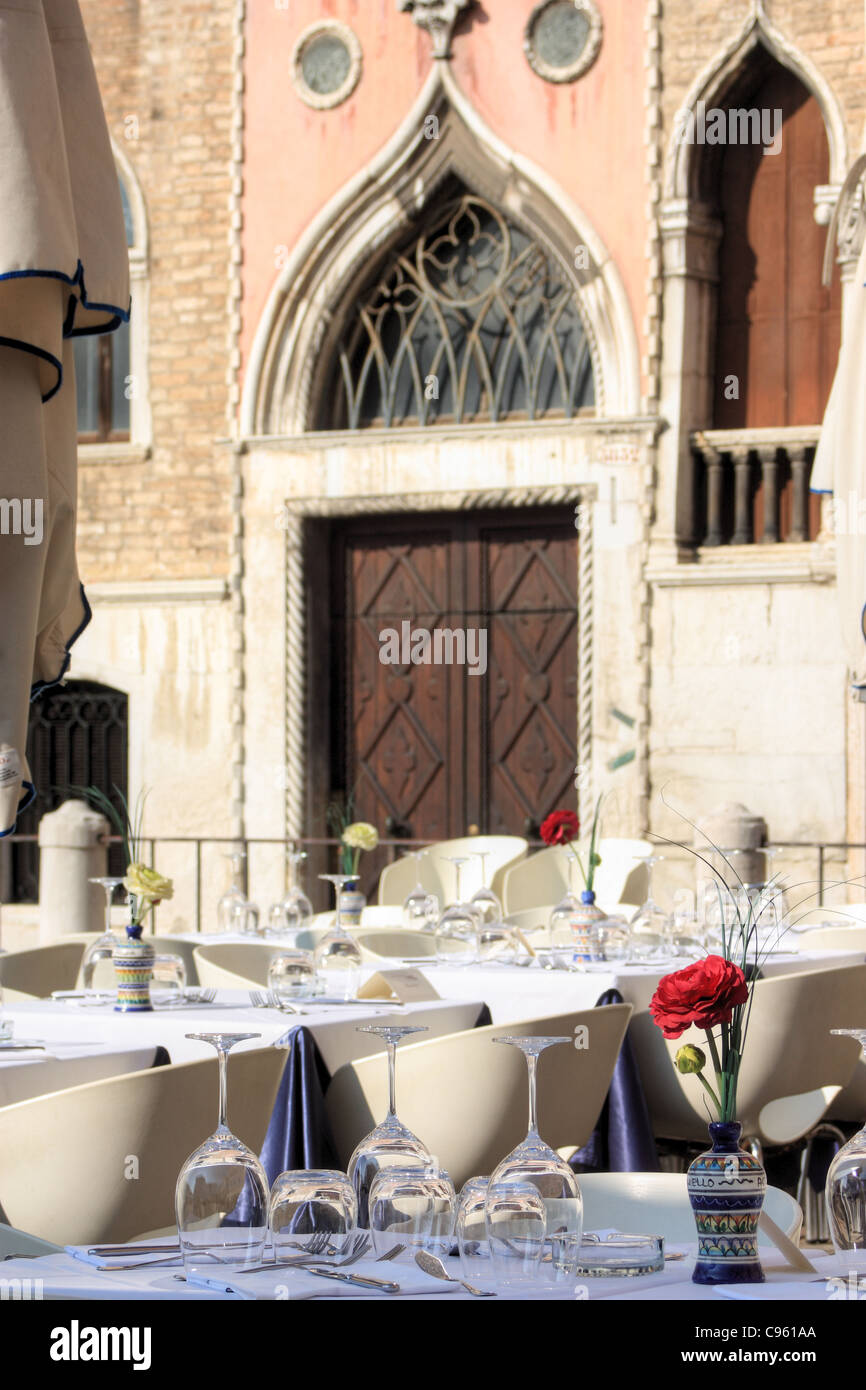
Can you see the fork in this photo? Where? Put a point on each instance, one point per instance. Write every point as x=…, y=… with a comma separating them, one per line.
x=270, y=1001
x=199, y=996
x=360, y=1246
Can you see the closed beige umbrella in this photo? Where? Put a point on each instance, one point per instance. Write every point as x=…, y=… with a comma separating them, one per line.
x=64, y=272
x=840, y=468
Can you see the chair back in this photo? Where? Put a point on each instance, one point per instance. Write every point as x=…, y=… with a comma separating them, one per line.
x=42, y=969
x=658, y=1203
x=397, y=880
x=793, y=1067
x=466, y=1099
x=621, y=877
x=378, y=944
x=235, y=964
x=164, y=945
x=832, y=939
x=66, y=1159
x=20, y=1245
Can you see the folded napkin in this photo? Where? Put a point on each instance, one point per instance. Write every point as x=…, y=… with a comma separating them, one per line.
x=290, y=1285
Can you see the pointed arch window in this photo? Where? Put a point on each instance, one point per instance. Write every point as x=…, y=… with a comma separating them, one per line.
x=471, y=320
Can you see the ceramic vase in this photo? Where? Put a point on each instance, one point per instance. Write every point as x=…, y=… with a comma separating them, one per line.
x=133, y=973
x=726, y=1187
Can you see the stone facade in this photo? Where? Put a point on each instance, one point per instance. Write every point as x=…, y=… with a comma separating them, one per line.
x=259, y=210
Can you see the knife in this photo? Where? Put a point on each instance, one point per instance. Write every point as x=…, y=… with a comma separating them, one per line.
x=363, y=1281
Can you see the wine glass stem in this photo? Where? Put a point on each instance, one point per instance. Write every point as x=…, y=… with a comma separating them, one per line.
x=457, y=868
x=223, y=1065
x=109, y=892
x=532, y=1064
x=571, y=862
x=392, y=1080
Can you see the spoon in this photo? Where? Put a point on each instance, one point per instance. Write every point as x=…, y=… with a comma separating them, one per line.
x=432, y=1265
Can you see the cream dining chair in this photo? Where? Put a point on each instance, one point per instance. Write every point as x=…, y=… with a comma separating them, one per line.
x=376, y=943
x=659, y=1203
x=397, y=880
x=543, y=877
x=21, y=1245
x=793, y=1068
x=235, y=964
x=42, y=969
x=466, y=1099
x=65, y=1158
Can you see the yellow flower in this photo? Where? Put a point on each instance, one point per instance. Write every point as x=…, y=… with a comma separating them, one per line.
x=690, y=1060
x=146, y=884
x=361, y=835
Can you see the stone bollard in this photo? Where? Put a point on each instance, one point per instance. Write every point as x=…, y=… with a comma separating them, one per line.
x=732, y=827
x=72, y=849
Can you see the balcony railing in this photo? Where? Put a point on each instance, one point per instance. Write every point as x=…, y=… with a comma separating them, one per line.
x=752, y=486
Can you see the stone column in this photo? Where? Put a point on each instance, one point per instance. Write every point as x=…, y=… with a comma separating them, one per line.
x=732, y=827
x=72, y=848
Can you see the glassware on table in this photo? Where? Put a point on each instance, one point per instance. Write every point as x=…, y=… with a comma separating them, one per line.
x=104, y=946
x=649, y=925
x=390, y=1144
x=613, y=939
x=338, y=956
x=515, y=1219
x=533, y=1162
x=169, y=976
x=417, y=903
x=845, y=1190
x=292, y=974
x=6, y=1027
x=414, y=1206
x=560, y=934
x=497, y=943
x=309, y=1203
x=619, y=1255
x=296, y=905
x=277, y=923
x=221, y=1197
x=457, y=929
x=470, y=1228
x=234, y=894
x=484, y=899
x=244, y=918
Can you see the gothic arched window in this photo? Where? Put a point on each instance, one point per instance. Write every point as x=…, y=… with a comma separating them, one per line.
x=470, y=321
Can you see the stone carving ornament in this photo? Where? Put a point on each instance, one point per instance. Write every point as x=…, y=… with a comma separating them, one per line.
x=438, y=17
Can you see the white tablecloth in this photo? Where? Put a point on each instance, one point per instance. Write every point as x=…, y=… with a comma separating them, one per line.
x=335, y=1028
x=24, y=1075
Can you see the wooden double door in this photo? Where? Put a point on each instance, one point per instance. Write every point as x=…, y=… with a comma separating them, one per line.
x=434, y=750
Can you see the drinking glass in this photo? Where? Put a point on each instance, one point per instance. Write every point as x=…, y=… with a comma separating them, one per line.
x=234, y=894
x=292, y=974
x=308, y=1203
x=484, y=898
x=390, y=1144
x=244, y=918
x=416, y=905
x=649, y=925
x=560, y=933
x=296, y=905
x=104, y=946
x=338, y=955
x=535, y=1163
x=169, y=975
x=471, y=1231
x=221, y=1198
x=613, y=938
x=413, y=1205
x=497, y=942
x=457, y=931
x=277, y=925
x=845, y=1191
x=516, y=1227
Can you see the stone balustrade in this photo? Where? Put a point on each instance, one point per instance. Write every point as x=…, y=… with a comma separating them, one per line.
x=756, y=485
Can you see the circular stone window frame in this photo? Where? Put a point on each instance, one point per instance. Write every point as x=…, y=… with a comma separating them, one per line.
x=590, y=49
x=324, y=101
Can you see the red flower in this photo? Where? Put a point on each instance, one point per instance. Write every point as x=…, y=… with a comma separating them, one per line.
x=703, y=994
x=560, y=828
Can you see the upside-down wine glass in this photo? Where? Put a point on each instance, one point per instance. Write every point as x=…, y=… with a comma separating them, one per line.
x=484, y=898
x=457, y=930
x=845, y=1192
x=104, y=946
x=234, y=894
x=390, y=1144
x=338, y=956
x=221, y=1197
x=416, y=904
x=561, y=933
x=533, y=1162
x=649, y=925
x=297, y=908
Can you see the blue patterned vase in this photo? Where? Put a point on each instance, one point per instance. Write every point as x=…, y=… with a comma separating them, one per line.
x=352, y=904
x=584, y=927
x=133, y=972
x=726, y=1187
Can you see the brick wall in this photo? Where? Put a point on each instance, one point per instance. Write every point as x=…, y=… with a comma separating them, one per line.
x=166, y=65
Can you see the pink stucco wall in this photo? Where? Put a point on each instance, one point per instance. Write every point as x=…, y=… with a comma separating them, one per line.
x=588, y=135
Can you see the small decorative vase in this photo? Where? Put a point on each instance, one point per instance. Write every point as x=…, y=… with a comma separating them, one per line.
x=133, y=972
x=352, y=904
x=726, y=1187
x=584, y=926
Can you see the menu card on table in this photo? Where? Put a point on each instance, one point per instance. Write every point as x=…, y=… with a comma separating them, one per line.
x=406, y=984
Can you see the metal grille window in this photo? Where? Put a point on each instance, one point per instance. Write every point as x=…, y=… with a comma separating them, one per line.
x=77, y=738
x=472, y=321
